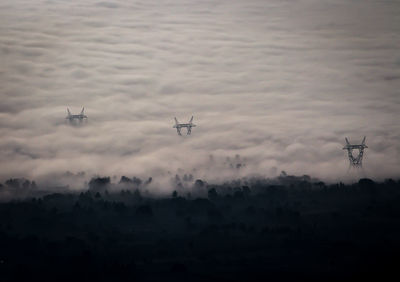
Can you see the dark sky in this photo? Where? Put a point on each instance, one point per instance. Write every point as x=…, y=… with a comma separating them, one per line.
x=280, y=83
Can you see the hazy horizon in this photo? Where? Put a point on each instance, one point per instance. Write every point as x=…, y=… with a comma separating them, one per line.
x=279, y=83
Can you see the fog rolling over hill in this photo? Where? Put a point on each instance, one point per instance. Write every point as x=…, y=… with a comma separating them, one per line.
x=280, y=83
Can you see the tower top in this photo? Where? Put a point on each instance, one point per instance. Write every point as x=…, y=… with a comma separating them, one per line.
x=355, y=161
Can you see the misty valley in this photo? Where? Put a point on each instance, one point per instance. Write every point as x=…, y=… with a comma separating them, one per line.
x=144, y=140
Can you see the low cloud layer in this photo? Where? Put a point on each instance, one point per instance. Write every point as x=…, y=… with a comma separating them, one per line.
x=279, y=83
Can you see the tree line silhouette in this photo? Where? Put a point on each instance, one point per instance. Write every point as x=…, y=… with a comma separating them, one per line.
x=244, y=230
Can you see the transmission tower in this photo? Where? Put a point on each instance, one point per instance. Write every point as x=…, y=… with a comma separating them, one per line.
x=355, y=161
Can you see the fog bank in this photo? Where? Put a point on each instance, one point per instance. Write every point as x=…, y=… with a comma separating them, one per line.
x=278, y=83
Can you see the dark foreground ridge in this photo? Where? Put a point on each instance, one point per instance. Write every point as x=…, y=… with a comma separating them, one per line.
x=295, y=231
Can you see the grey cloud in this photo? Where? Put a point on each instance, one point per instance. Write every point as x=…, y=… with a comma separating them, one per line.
x=280, y=83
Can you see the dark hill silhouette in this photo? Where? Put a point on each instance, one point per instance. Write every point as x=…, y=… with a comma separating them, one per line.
x=296, y=228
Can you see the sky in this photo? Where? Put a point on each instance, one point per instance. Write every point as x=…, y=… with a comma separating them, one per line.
x=279, y=83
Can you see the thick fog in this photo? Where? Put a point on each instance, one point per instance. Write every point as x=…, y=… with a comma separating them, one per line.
x=278, y=83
